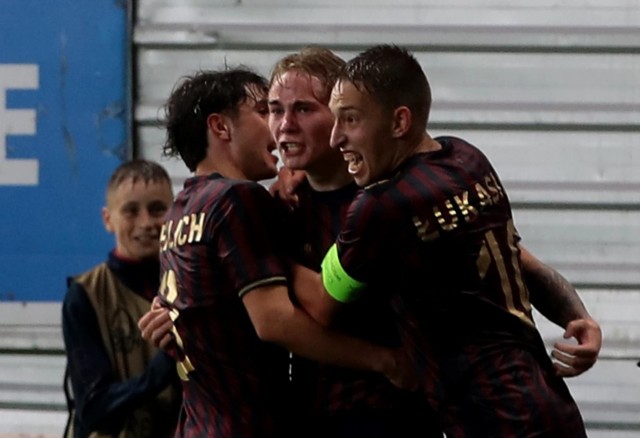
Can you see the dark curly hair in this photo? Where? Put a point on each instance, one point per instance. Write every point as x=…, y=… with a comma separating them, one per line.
x=196, y=97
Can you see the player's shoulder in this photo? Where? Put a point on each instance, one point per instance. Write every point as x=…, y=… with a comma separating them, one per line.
x=240, y=188
x=457, y=145
x=369, y=201
x=215, y=186
x=246, y=196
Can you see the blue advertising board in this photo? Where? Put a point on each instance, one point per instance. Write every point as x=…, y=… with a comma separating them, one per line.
x=64, y=118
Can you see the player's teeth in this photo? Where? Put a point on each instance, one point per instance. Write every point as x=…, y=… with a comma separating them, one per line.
x=354, y=161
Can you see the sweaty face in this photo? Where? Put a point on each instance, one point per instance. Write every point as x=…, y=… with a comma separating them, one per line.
x=252, y=142
x=134, y=213
x=362, y=132
x=301, y=123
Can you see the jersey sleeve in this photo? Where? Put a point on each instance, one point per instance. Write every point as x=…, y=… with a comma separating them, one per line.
x=251, y=239
x=360, y=251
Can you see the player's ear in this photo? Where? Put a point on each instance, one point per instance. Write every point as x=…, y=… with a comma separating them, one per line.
x=106, y=219
x=401, y=121
x=217, y=125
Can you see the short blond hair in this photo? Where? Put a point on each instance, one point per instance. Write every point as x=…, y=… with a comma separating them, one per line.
x=137, y=170
x=318, y=62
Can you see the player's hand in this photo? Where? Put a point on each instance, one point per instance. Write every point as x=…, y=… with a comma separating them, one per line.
x=572, y=360
x=401, y=373
x=286, y=185
x=156, y=303
x=156, y=325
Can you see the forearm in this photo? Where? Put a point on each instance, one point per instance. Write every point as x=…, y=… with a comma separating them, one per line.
x=559, y=302
x=310, y=295
x=304, y=337
x=552, y=294
x=278, y=320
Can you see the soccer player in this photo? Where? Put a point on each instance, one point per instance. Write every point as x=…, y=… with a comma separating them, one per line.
x=342, y=402
x=434, y=226
x=225, y=271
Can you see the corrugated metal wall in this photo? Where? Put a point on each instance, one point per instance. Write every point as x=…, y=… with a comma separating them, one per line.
x=549, y=89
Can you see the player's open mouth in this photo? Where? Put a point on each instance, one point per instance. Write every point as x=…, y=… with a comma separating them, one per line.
x=354, y=160
x=290, y=147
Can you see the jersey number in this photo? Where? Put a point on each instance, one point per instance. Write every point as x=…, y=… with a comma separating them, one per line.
x=169, y=289
x=502, y=255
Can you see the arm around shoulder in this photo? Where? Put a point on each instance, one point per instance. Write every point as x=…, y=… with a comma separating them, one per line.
x=277, y=320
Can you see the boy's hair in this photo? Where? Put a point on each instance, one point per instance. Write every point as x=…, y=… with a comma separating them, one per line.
x=393, y=77
x=137, y=170
x=196, y=97
x=317, y=62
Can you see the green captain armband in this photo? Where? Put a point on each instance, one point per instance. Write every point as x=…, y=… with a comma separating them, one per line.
x=336, y=281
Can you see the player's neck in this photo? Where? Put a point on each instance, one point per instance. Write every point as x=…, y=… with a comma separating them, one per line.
x=223, y=167
x=427, y=144
x=328, y=178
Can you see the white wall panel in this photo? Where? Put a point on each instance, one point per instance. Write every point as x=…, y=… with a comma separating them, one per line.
x=566, y=24
x=589, y=247
x=470, y=87
x=616, y=311
x=160, y=69
x=453, y=4
x=562, y=167
x=509, y=14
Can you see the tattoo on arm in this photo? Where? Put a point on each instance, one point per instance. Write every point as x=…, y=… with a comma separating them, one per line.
x=553, y=295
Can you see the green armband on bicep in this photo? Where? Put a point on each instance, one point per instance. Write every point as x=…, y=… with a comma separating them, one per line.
x=336, y=281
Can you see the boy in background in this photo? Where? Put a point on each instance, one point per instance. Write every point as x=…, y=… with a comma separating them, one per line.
x=122, y=385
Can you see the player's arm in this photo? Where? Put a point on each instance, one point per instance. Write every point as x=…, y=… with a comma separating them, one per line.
x=323, y=294
x=265, y=294
x=276, y=319
x=551, y=293
x=556, y=298
x=311, y=295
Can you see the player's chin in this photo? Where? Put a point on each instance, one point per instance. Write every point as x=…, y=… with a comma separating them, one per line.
x=361, y=181
x=270, y=171
x=296, y=163
x=147, y=252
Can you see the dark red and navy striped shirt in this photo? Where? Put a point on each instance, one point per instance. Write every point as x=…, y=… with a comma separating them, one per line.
x=316, y=223
x=440, y=233
x=220, y=241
